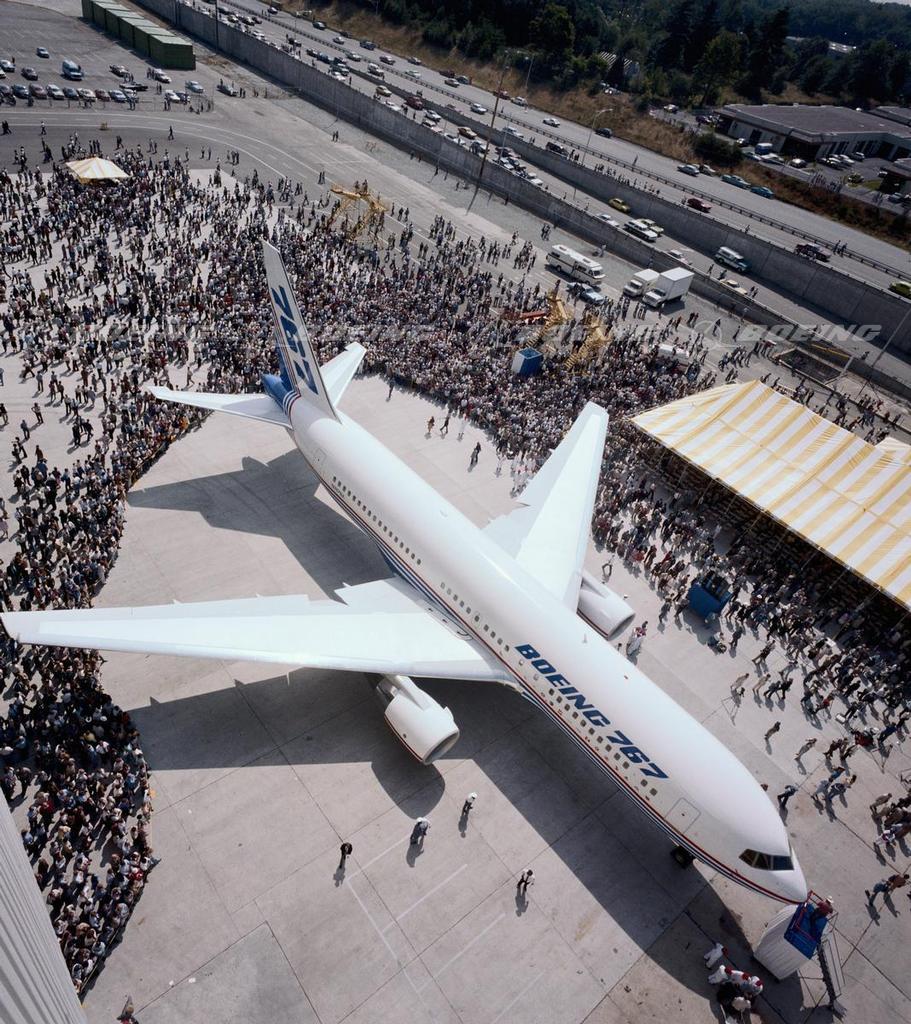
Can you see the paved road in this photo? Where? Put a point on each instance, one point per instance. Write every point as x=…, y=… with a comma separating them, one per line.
x=650, y=167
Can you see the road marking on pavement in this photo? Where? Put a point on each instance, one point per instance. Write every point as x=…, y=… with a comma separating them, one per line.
x=522, y=991
x=430, y=892
x=469, y=944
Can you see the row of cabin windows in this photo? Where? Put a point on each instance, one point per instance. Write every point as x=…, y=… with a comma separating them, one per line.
x=477, y=618
x=372, y=515
x=557, y=700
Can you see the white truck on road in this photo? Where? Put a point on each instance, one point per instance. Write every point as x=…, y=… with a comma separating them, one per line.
x=640, y=282
x=671, y=285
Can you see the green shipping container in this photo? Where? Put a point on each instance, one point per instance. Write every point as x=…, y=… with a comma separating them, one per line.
x=87, y=10
x=112, y=16
x=99, y=15
x=128, y=25
x=141, y=39
x=167, y=51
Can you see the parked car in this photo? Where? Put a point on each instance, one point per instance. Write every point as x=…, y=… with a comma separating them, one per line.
x=368, y=44
x=609, y=220
x=797, y=162
x=466, y=132
x=858, y=155
x=551, y=122
x=520, y=101
x=734, y=285
x=412, y=73
x=386, y=59
x=735, y=179
x=902, y=288
x=381, y=90
x=30, y=74
x=352, y=56
x=695, y=203
x=119, y=70
x=103, y=95
x=20, y=91
x=657, y=228
x=193, y=86
x=556, y=147
x=452, y=83
x=42, y=52
x=763, y=190
x=6, y=65
x=375, y=70
x=691, y=169
x=55, y=92
x=38, y=91
x=70, y=93
x=6, y=94
x=679, y=257
x=87, y=95
x=228, y=88
x=171, y=96
x=161, y=76
x=511, y=129
x=416, y=61
x=708, y=171
x=320, y=25
x=605, y=133
x=619, y=204
x=478, y=108
x=118, y=96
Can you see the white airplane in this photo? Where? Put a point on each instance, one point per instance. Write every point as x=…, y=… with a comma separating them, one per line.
x=508, y=604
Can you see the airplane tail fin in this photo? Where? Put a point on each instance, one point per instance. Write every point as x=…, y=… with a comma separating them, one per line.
x=300, y=374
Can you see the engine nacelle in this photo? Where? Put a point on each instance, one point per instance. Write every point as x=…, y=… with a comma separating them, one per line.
x=604, y=609
x=426, y=728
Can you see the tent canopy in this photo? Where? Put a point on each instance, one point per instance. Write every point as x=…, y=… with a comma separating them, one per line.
x=96, y=168
x=847, y=498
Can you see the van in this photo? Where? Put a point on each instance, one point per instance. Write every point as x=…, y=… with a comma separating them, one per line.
x=71, y=70
x=732, y=258
x=763, y=148
x=556, y=147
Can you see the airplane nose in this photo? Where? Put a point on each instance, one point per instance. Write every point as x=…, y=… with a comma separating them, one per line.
x=794, y=884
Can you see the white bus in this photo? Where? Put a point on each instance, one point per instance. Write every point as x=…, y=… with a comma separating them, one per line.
x=574, y=264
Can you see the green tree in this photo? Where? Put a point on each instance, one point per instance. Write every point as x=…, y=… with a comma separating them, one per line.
x=766, y=49
x=718, y=66
x=705, y=29
x=813, y=74
x=554, y=34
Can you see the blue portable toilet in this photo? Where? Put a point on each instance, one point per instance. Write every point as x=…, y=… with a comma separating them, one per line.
x=527, y=362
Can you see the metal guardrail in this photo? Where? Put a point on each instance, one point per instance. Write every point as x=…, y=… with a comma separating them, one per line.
x=295, y=23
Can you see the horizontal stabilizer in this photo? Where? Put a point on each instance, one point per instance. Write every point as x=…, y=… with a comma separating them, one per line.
x=251, y=407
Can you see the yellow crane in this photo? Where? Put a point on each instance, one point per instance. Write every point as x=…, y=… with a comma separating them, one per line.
x=596, y=337
x=369, y=220
x=557, y=313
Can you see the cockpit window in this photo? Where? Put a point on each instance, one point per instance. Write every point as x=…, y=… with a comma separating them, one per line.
x=766, y=861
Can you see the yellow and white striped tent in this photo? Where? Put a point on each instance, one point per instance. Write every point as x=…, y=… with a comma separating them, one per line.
x=846, y=497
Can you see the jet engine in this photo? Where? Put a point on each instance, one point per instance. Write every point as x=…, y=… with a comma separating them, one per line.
x=604, y=609
x=426, y=728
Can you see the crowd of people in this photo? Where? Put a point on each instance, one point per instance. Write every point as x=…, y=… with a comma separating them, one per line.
x=110, y=289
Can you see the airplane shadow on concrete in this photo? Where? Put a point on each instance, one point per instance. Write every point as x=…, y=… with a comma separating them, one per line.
x=275, y=499
x=315, y=718
x=309, y=717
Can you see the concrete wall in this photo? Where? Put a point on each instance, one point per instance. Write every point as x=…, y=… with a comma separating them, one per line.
x=35, y=985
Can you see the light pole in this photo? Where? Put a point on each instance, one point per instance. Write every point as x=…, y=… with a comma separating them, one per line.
x=531, y=60
x=591, y=128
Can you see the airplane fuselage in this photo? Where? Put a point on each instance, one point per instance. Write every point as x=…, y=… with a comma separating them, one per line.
x=675, y=770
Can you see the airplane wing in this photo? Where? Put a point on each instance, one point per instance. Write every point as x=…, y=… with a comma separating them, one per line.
x=380, y=627
x=549, y=533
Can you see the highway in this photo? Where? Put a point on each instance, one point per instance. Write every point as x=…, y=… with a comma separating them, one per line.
x=867, y=258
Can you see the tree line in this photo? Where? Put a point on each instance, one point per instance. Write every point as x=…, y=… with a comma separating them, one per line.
x=685, y=50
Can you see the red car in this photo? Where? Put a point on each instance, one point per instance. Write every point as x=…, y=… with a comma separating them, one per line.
x=695, y=203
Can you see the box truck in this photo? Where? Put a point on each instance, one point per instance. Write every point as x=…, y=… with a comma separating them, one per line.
x=640, y=282
x=671, y=285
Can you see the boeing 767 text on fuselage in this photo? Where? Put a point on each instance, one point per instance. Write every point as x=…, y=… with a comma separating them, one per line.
x=508, y=604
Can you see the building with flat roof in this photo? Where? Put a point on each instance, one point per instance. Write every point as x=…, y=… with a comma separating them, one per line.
x=813, y=131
